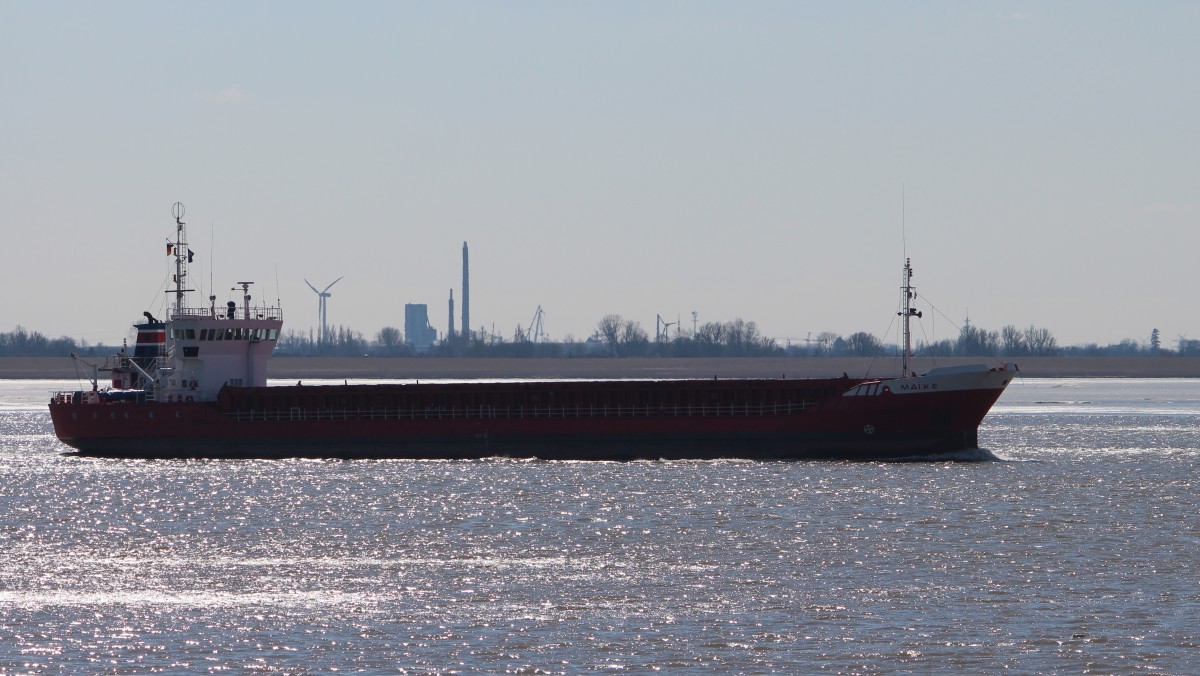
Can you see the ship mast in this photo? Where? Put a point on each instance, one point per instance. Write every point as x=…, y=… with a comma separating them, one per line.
x=909, y=292
x=183, y=256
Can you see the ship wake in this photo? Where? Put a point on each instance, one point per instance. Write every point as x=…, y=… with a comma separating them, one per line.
x=963, y=455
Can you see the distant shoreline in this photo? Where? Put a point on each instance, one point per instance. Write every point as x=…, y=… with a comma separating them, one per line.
x=54, y=368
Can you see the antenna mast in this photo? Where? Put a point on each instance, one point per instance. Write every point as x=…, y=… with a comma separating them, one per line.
x=183, y=256
x=908, y=312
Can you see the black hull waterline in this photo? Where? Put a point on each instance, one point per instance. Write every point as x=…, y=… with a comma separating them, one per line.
x=805, y=446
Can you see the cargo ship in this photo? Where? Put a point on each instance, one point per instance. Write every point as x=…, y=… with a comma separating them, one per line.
x=195, y=386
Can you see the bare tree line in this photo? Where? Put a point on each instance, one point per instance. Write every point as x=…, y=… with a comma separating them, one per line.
x=21, y=342
x=737, y=338
x=616, y=336
x=1009, y=341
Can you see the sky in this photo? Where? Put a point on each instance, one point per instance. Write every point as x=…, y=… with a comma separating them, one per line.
x=769, y=161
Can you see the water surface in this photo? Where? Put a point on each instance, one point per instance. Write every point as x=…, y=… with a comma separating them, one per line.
x=1072, y=550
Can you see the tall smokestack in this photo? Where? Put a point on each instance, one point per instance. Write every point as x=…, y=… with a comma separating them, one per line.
x=466, y=297
x=450, y=331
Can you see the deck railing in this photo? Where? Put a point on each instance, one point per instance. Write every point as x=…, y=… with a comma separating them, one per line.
x=259, y=312
x=494, y=412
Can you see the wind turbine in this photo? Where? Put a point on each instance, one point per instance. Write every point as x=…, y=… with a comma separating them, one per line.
x=322, y=296
x=662, y=328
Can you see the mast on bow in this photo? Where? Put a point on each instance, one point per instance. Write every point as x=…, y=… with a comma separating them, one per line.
x=907, y=312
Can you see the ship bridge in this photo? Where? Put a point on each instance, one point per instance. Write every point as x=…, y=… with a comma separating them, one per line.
x=211, y=347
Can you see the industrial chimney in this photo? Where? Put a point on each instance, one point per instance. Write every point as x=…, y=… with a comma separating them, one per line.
x=450, y=331
x=466, y=298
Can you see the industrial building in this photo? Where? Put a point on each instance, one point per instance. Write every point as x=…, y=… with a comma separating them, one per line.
x=466, y=298
x=417, y=331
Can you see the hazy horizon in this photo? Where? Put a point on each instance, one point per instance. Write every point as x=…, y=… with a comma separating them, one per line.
x=770, y=162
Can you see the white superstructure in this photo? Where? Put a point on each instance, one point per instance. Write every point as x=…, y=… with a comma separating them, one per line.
x=207, y=348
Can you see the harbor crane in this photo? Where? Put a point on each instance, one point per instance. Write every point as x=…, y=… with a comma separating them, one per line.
x=534, y=333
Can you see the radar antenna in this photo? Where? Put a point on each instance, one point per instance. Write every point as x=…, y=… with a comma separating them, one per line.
x=245, y=297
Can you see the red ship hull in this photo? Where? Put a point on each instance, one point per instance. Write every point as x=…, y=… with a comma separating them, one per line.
x=559, y=420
